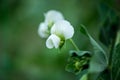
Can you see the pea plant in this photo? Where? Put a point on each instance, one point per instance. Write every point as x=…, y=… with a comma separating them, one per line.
x=102, y=63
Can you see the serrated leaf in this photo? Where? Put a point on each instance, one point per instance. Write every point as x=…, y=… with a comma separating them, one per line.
x=99, y=60
x=116, y=63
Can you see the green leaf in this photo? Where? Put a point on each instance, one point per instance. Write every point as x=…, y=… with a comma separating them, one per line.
x=114, y=72
x=99, y=59
x=105, y=75
x=116, y=63
x=78, y=61
x=84, y=77
x=103, y=11
x=109, y=25
x=80, y=53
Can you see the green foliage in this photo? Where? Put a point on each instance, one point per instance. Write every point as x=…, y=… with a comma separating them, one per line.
x=78, y=61
x=114, y=72
x=108, y=36
x=23, y=55
x=101, y=66
x=116, y=63
x=96, y=63
x=84, y=77
x=110, y=25
x=99, y=61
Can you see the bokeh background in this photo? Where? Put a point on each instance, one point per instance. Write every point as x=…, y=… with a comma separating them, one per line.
x=23, y=54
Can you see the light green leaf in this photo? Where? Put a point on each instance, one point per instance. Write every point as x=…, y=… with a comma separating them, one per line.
x=118, y=38
x=84, y=77
x=99, y=59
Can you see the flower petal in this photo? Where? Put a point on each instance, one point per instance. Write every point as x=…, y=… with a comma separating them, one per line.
x=43, y=30
x=53, y=41
x=52, y=16
x=63, y=29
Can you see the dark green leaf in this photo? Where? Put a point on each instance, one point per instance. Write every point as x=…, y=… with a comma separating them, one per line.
x=116, y=63
x=115, y=73
x=103, y=11
x=109, y=26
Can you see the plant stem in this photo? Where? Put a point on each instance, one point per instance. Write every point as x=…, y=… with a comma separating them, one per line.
x=118, y=38
x=73, y=43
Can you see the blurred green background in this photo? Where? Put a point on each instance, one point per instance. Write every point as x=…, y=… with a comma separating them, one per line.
x=23, y=54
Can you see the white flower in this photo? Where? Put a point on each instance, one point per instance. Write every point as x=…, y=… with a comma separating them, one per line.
x=53, y=16
x=53, y=41
x=63, y=29
x=43, y=30
x=56, y=29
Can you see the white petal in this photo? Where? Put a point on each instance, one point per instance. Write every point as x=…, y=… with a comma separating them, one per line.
x=52, y=16
x=43, y=30
x=63, y=28
x=53, y=41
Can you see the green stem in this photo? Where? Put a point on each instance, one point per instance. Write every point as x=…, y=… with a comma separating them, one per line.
x=118, y=38
x=73, y=43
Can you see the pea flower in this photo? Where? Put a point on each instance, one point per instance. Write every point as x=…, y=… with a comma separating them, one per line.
x=43, y=30
x=53, y=41
x=51, y=17
x=60, y=31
